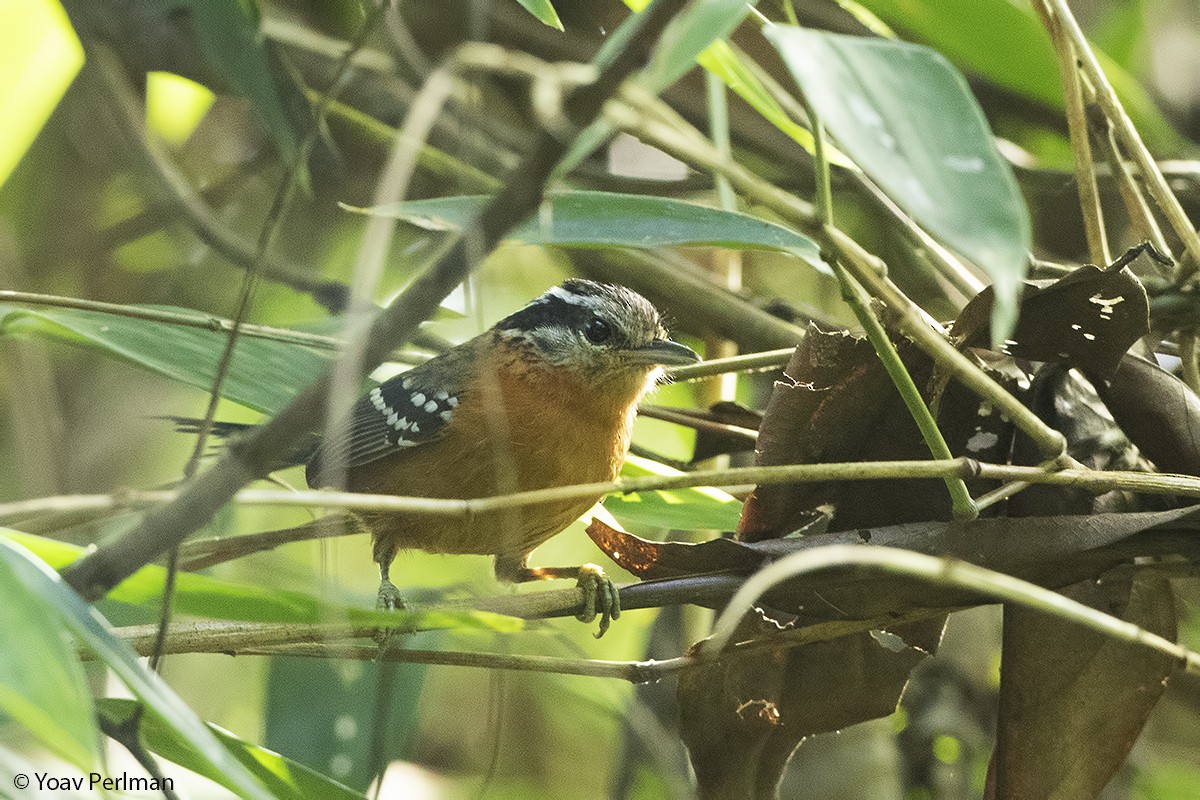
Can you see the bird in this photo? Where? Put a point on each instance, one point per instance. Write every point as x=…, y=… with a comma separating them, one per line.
x=546, y=397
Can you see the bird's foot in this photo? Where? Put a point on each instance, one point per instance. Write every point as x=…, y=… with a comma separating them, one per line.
x=600, y=597
x=389, y=598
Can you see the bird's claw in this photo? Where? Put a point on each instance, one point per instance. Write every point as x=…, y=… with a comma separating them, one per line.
x=389, y=598
x=600, y=597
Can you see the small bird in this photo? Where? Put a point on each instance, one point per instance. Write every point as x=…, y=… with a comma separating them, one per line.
x=546, y=397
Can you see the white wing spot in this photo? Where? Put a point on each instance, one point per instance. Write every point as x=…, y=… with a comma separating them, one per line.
x=445, y=415
x=442, y=395
x=406, y=384
x=418, y=399
x=431, y=406
x=392, y=417
x=414, y=428
x=452, y=402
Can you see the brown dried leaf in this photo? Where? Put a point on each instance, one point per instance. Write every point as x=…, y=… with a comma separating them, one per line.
x=1089, y=319
x=1158, y=412
x=743, y=716
x=1073, y=701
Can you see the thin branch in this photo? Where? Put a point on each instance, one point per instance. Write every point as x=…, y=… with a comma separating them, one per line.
x=645, y=119
x=1140, y=213
x=1086, y=479
x=749, y=362
x=940, y=572
x=162, y=528
x=748, y=435
x=1081, y=146
x=1107, y=98
x=856, y=298
x=206, y=322
x=338, y=641
x=190, y=206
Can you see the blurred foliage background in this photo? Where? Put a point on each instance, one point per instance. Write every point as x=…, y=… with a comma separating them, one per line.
x=83, y=213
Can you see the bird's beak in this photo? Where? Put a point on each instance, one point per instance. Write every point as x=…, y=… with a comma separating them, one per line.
x=664, y=352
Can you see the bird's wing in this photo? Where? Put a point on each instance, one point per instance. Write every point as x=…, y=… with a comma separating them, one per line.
x=409, y=410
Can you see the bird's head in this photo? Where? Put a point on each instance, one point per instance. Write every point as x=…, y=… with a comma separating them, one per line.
x=598, y=330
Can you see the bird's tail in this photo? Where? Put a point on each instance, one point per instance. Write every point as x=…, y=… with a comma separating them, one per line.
x=224, y=431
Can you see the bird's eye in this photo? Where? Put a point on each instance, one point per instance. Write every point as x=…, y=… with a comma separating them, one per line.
x=597, y=330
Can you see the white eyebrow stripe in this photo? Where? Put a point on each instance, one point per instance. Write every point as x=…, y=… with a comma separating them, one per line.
x=567, y=296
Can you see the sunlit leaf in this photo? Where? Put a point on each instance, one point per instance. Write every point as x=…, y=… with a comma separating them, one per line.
x=42, y=685
x=215, y=598
x=39, y=57
x=264, y=375
x=691, y=509
x=907, y=117
x=608, y=219
x=286, y=779
x=94, y=633
x=544, y=11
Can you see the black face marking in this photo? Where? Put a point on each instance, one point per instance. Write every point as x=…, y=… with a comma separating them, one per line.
x=612, y=316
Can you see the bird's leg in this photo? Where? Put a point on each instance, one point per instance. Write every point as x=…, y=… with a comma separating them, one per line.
x=600, y=595
x=389, y=598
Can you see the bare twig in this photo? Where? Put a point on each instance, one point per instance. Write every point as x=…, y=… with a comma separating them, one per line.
x=1081, y=146
x=1107, y=98
x=749, y=362
x=1086, y=479
x=940, y=572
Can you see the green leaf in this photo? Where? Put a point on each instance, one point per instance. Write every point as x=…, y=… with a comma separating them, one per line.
x=42, y=685
x=544, y=11
x=93, y=631
x=336, y=730
x=692, y=509
x=286, y=779
x=907, y=117
x=606, y=219
x=214, y=598
x=1004, y=42
x=264, y=375
x=683, y=41
x=234, y=48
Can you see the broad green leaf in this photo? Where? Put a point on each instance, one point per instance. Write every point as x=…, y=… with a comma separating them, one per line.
x=94, y=633
x=286, y=779
x=335, y=731
x=604, y=219
x=42, y=685
x=694, y=509
x=214, y=598
x=907, y=117
x=228, y=34
x=685, y=38
x=39, y=57
x=544, y=11
x=265, y=374
x=1004, y=42
x=716, y=21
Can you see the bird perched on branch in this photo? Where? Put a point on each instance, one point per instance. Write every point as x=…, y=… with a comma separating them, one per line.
x=546, y=397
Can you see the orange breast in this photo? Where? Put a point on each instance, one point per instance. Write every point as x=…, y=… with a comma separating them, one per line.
x=520, y=429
